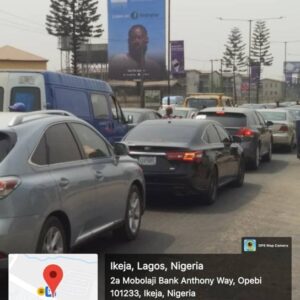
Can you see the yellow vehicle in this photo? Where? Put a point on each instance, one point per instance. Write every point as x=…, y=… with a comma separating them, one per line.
x=203, y=100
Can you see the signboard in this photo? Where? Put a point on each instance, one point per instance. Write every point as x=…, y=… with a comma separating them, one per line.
x=255, y=73
x=152, y=98
x=177, y=58
x=136, y=47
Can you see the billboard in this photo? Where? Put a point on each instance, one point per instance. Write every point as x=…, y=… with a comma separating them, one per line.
x=136, y=39
x=255, y=73
x=177, y=58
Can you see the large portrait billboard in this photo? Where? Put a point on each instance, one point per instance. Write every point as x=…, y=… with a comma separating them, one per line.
x=136, y=39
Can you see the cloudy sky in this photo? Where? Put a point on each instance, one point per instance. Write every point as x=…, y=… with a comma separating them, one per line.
x=194, y=21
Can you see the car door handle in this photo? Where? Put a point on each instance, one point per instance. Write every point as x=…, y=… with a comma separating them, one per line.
x=64, y=182
x=99, y=175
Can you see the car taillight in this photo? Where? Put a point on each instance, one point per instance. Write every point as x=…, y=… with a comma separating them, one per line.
x=3, y=255
x=247, y=132
x=7, y=185
x=283, y=128
x=187, y=156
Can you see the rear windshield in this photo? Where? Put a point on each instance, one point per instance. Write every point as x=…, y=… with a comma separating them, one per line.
x=173, y=100
x=201, y=103
x=180, y=113
x=164, y=132
x=274, y=115
x=6, y=144
x=30, y=96
x=226, y=119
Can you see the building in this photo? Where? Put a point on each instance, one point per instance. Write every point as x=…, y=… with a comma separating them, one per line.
x=13, y=58
x=271, y=90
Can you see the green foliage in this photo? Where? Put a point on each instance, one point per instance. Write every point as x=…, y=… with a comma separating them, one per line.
x=234, y=55
x=261, y=45
x=75, y=19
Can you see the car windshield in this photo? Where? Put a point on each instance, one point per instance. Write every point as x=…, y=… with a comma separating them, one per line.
x=162, y=132
x=173, y=100
x=226, y=119
x=274, y=115
x=201, y=103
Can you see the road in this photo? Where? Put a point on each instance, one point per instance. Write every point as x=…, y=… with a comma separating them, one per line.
x=267, y=205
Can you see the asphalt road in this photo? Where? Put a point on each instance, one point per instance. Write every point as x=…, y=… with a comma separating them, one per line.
x=267, y=205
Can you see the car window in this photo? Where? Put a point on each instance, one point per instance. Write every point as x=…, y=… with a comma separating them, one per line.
x=260, y=118
x=39, y=156
x=226, y=119
x=61, y=144
x=30, y=96
x=274, y=115
x=6, y=144
x=92, y=144
x=223, y=134
x=253, y=118
x=161, y=131
x=213, y=136
x=100, y=106
x=116, y=110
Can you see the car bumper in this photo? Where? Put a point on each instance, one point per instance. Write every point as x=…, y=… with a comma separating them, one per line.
x=281, y=139
x=176, y=184
x=19, y=235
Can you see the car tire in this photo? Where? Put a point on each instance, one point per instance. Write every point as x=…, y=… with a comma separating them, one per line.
x=239, y=181
x=210, y=195
x=268, y=156
x=254, y=164
x=133, y=216
x=53, y=237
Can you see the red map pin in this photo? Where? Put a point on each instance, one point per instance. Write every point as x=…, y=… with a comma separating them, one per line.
x=53, y=275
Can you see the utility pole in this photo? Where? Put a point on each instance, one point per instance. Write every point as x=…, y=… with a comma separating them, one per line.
x=169, y=50
x=250, y=36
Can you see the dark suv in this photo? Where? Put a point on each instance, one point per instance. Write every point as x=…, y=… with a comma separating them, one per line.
x=250, y=126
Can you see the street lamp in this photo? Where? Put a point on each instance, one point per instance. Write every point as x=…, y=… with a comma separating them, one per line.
x=285, y=59
x=250, y=34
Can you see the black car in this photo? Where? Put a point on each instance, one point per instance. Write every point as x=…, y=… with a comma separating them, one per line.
x=249, y=125
x=186, y=156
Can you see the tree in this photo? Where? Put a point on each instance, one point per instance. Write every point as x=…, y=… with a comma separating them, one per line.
x=260, y=55
x=234, y=56
x=76, y=20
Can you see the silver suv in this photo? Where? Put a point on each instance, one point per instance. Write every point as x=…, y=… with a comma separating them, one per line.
x=62, y=182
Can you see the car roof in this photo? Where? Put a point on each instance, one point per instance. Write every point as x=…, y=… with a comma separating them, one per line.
x=228, y=109
x=272, y=110
x=13, y=120
x=138, y=109
x=178, y=122
x=185, y=108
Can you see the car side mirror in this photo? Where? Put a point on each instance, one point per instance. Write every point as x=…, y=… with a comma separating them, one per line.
x=269, y=123
x=130, y=119
x=120, y=149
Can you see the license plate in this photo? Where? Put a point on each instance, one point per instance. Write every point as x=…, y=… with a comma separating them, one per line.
x=147, y=160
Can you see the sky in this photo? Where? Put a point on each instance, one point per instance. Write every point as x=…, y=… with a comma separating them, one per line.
x=22, y=25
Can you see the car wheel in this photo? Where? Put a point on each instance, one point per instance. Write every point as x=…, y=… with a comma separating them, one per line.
x=256, y=160
x=239, y=181
x=268, y=157
x=133, y=216
x=210, y=194
x=52, y=237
